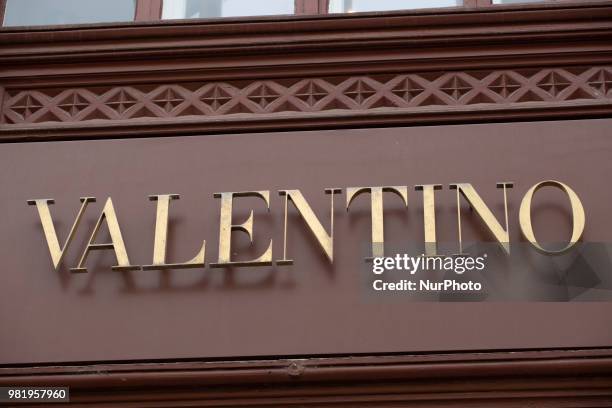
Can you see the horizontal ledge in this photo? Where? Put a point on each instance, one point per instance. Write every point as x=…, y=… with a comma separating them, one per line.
x=522, y=365
x=366, y=61
x=579, y=9
x=298, y=33
x=477, y=43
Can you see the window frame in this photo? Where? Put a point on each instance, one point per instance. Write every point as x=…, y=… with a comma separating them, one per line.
x=151, y=10
x=148, y=10
x=2, y=8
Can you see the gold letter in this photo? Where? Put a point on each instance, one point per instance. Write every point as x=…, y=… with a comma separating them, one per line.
x=116, y=244
x=502, y=236
x=161, y=236
x=326, y=241
x=376, y=200
x=226, y=227
x=578, y=218
x=429, y=217
x=42, y=206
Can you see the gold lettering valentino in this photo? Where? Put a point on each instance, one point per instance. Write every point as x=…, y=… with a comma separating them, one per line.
x=324, y=237
x=578, y=217
x=376, y=202
x=42, y=206
x=161, y=238
x=226, y=227
x=108, y=214
x=325, y=240
x=429, y=217
x=469, y=193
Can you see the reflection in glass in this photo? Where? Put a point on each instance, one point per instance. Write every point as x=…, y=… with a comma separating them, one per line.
x=51, y=12
x=177, y=9
x=350, y=6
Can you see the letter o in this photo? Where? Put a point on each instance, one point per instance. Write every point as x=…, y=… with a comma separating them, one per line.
x=578, y=218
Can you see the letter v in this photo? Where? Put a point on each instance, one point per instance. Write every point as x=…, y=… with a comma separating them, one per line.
x=42, y=205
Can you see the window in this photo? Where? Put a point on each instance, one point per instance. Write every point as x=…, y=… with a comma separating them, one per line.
x=52, y=12
x=225, y=8
x=350, y=6
x=515, y=1
x=49, y=12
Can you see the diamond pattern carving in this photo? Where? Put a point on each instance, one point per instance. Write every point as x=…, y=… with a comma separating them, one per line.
x=74, y=103
x=216, y=96
x=554, y=83
x=601, y=81
x=26, y=105
x=456, y=87
x=263, y=95
x=359, y=91
x=120, y=101
x=408, y=91
x=504, y=85
x=311, y=93
x=168, y=99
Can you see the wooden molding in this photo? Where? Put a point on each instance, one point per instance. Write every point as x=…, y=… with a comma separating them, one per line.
x=149, y=109
x=559, y=378
x=504, y=26
x=267, y=69
x=551, y=60
x=540, y=61
x=553, y=86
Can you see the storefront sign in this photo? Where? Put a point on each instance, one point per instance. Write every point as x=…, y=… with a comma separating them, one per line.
x=265, y=267
x=500, y=233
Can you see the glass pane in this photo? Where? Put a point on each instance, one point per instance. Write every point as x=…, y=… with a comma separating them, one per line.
x=350, y=6
x=174, y=9
x=516, y=1
x=49, y=12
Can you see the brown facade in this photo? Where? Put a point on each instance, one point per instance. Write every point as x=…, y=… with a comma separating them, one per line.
x=130, y=110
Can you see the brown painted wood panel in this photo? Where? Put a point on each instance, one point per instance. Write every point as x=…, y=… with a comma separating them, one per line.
x=310, y=308
x=557, y=378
